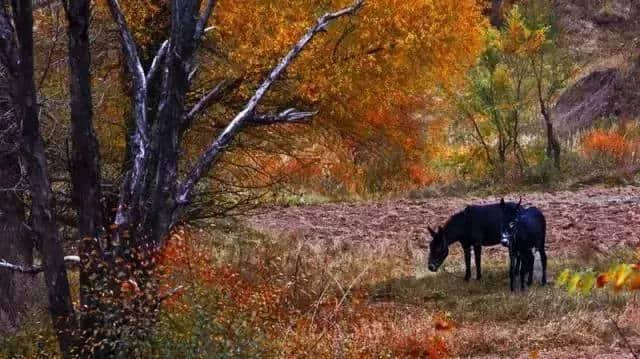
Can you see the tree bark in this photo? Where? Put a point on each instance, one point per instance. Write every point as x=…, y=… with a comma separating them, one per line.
x=24, y=97
x=553, y=145
x=14, y=245
x=496, y=17
x=185, y=38
x=85, y=162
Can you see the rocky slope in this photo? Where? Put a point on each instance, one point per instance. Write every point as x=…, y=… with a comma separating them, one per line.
x=604, y=35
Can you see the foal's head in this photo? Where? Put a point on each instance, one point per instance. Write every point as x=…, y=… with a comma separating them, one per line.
x=509, y=225
x=438, y=249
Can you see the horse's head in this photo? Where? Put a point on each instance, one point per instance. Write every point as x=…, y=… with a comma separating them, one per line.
x=510, y=215
x=438, y=249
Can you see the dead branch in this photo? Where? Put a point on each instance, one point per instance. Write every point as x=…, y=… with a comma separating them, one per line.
x=202, y=22
x=287, y=116
x=134, y=180
x=206, y=101
x=69, y=260
x=157, y=60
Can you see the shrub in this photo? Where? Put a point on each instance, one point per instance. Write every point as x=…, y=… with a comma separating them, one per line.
x=607, y=146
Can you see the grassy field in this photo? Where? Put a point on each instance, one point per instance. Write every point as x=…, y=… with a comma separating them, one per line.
x=350, y=281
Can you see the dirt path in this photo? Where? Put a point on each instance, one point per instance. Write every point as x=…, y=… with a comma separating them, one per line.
x=594, y=218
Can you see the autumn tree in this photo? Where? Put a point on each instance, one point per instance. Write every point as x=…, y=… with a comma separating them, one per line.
x=190, y=71
x=152, y=196
x=514, y=84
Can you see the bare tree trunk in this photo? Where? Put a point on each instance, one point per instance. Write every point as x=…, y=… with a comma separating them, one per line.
x=496, y=18
x=19, y=62
x=553, y=145
x=85, y=161
x=14, y=245
x=185, y=24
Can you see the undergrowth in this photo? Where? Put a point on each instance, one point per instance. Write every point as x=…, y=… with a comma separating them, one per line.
x=246, y=294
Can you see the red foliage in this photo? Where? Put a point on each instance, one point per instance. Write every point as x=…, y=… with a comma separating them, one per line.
x=606, y=143
x=303, y=328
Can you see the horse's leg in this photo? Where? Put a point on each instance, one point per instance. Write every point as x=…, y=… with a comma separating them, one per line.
x=477, y=250
x=467, y=262
x=543, y=260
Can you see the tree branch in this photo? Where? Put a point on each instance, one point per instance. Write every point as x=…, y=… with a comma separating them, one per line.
x=219, y=144
x=134, y=179
x=155, y=64
x=170, y=293
x=8, y=46
x=213, y=95
x=200, y=27
x=69, y=260
x=287, y=116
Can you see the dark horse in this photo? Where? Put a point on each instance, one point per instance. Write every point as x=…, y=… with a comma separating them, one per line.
x=475, y=226
x=527, y=230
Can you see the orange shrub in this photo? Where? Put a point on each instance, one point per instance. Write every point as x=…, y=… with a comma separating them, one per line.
x=599, y=143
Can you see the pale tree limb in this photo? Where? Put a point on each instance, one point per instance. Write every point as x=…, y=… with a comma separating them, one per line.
x=69, y=260
x=287, y=116
x=222, y=141
x=205, y=101
x=157, y=60
x=192, y=74
x=202, y=22
x=134, y=179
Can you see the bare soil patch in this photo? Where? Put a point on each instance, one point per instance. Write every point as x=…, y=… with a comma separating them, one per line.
x=593, y=219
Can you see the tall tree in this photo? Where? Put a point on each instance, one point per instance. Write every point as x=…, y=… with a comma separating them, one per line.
x=15, y=246
x=16, y=55
x=152, y=197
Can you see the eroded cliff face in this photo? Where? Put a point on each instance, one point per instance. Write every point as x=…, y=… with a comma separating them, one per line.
x=604, y=36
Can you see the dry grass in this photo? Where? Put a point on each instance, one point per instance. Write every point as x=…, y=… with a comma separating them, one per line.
x=388, y=301
x=372, y=300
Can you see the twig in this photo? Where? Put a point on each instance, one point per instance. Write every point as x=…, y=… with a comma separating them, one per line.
x=69, y=260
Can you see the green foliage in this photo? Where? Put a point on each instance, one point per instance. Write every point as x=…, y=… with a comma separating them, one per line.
x=499, y=114
x=35, y=339
x=204, y=328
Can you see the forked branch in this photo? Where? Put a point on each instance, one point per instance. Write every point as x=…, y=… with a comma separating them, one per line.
x=134, y=180
x=216, y=147
x=157, y=61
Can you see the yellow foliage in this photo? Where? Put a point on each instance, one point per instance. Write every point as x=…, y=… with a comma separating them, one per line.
x=520, y=40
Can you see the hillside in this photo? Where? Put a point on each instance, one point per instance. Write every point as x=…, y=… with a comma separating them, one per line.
x=604, y=36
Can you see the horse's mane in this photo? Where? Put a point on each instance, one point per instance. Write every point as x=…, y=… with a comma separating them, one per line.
x=457, y=219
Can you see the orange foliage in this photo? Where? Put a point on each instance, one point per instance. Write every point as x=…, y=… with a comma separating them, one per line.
x=301, y=330
x=420, y=175
x=367, y=76
x=419, y=346
x=606, y=143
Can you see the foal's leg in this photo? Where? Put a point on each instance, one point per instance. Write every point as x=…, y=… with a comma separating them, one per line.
x=477, y=250
x=513, y=265
x=524, y=265
x=543, y=260
x=467, y=262
x=532, y=260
